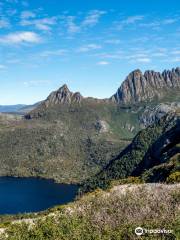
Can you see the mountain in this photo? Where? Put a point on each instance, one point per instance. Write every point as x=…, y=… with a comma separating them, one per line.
x=19, y=108
x=139, y=87
x=11, y=108
x=154, y=154
x=27, y=108
x=152, y=114
x=63, y=95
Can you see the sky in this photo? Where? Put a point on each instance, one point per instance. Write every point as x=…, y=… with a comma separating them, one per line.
x=89, y=45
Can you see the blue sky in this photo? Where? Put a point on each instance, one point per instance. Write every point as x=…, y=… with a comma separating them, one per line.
x=89, y=45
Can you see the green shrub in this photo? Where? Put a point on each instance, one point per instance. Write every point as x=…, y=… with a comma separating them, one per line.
x=174, y=177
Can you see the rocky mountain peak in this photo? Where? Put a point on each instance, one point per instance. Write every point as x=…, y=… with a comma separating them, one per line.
x=64, y=88
x=136, y=72
x=63, y=96
x=138, y=87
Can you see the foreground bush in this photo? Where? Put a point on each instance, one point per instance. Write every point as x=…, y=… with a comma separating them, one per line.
x=110, y=215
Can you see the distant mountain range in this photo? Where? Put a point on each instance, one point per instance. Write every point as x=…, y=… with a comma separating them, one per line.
x=18, y=108
x=11, y=108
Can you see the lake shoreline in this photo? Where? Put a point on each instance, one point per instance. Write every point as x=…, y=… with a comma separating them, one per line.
x=23, y=195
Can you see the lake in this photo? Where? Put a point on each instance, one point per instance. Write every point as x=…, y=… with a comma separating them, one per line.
x=20, y=195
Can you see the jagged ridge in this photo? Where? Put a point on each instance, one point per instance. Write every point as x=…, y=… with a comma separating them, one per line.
x=139, y=87
x=63, y=95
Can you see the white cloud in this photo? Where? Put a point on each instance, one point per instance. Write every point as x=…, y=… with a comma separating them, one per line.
x=169, y=21
x=13, y=61
x=4, y=23
x=150, y=24
x=113, y=41
x=92, y=18
x=176, y=59
x=137, y=55
x=103, y=63
x=111, y=55
x=133, y=19
x=72, y=27
x=44, y=24
x=58, y=52
x=27, y=14
x=89, y=47
x=176, y=52
x=159, y=54
x=11, y=12
x=143, y=60
x=20, y=37
x=129, y=21
x=158, y=23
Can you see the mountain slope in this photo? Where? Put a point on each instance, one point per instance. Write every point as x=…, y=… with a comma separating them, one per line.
x=60, y=98
x=154, y=146
x=67, y=143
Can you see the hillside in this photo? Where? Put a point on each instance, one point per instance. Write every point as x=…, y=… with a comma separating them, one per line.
x=103, y=215
x=68, y=144
x=154, y=154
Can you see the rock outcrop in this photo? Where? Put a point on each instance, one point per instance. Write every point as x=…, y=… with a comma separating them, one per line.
x=102, y=126
x=63, y=95
x=139, y=87
x=153, y=114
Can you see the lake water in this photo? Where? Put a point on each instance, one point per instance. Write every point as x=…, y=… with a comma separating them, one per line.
x=20, y=195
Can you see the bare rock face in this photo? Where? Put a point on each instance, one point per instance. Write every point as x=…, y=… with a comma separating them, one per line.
x=139, y=87
x=102, y=126
x=153, y=114
x=63, y=95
